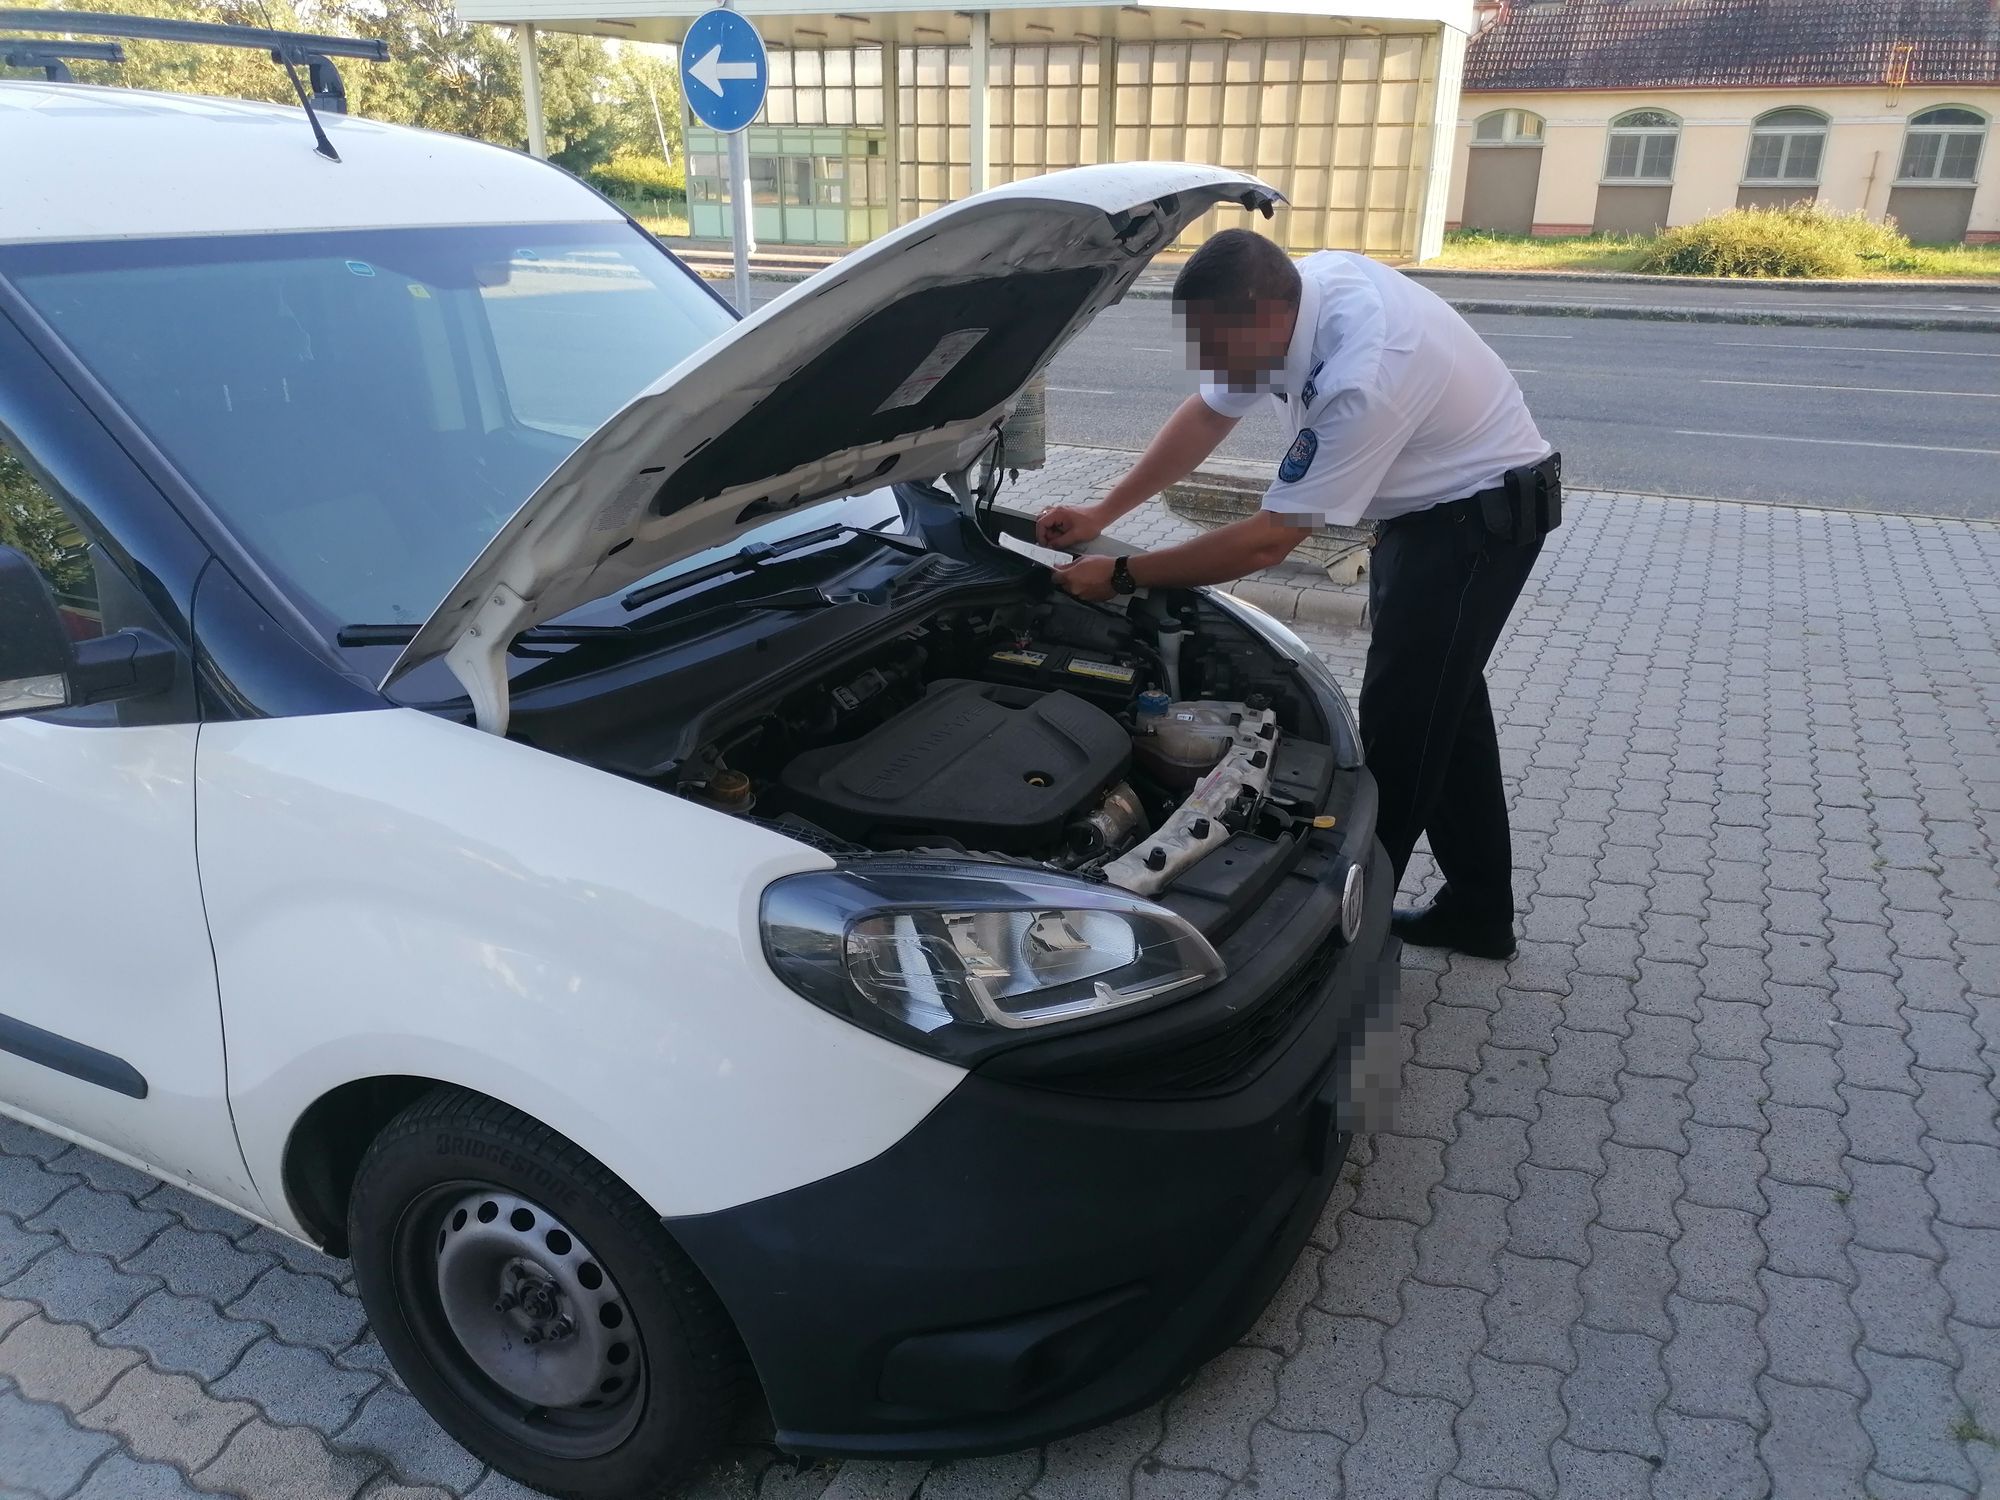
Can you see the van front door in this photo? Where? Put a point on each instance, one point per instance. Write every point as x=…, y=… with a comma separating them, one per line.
x=110, y=1026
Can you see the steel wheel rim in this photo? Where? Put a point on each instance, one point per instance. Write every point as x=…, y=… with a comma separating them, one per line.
x=521, y=1318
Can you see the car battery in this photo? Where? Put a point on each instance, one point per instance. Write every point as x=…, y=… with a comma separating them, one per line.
x=1048, y=667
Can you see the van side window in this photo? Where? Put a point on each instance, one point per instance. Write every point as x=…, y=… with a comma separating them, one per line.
x=32, y=522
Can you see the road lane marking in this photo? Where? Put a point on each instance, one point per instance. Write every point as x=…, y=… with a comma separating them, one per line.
x=1855, y=348
x=1866, y=390
x=1496, y=334
x=1518, y=370
x=1912, y=306
x=1080, y=390
x=1148, y=349
x=1773, y=437
x=1530, y=300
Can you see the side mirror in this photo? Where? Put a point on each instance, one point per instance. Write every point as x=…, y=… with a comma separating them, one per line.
x=35, y=653
x=41, y=669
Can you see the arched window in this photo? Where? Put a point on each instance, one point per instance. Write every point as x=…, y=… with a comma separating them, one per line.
x=1943, y=145
x=1508, y=127
x=1642, y=147
x=1786, y=146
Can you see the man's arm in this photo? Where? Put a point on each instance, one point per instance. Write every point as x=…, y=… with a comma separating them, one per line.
x=1247, y=546
x=1194, y=431
x=1332, y=471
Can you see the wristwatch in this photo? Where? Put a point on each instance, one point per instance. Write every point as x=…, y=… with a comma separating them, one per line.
x=1121, y=576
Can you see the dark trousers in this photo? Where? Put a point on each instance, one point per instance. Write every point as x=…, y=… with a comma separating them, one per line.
x=1440, y=590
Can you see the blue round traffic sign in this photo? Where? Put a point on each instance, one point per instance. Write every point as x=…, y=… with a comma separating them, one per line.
x=724, y=75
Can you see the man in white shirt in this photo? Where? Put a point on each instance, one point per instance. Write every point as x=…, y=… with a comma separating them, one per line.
x=1399, y=414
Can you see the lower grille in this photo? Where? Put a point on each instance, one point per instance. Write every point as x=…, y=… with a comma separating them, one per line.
x=1229, y=1057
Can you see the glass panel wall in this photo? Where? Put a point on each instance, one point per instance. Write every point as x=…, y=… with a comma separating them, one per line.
x=1336, y=123
x=807, y=186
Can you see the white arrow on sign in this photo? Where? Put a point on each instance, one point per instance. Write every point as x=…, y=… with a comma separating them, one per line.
x=710, y=71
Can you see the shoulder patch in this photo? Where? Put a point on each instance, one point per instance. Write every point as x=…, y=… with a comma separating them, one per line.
x=1298, y=458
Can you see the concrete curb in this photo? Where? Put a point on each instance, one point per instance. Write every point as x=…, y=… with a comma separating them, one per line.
x=1648, y=312
x=1776, y=283
x=1644, y=312
x=1304, y=604
x=710, y=272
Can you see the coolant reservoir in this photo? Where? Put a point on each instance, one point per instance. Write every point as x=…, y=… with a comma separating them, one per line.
x=1179, y=745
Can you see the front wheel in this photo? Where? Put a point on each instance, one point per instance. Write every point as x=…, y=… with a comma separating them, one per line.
x=535, y=1305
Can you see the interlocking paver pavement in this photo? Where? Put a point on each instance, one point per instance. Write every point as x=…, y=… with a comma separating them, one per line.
x=1698, y=1196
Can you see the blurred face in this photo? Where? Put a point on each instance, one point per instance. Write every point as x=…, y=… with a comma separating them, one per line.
x=1240, y=343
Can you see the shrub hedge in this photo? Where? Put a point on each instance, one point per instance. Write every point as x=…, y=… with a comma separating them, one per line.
x=640, y=179
x=1803, y=239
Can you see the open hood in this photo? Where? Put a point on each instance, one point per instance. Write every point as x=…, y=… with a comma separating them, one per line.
x=894, y=364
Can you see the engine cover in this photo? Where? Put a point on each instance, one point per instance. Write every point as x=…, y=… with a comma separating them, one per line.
x=995, y=767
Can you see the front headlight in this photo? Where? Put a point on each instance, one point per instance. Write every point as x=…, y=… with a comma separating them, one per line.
x=951, y=957
x=1312, y=667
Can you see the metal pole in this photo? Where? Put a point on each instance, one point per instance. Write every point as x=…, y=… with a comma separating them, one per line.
x=1107, y=98
x=653, y=93
x=1435, y=147
x=892, y=126
x=687, y=136
x=982, y=26
x=739, y=211
x=531, y=90
x=741, y=234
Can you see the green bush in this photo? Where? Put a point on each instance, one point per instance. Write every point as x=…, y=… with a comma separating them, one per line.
x=1803, y=239
x=640, y=179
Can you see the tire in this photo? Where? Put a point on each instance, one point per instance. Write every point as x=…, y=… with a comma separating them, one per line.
x=535, y=1305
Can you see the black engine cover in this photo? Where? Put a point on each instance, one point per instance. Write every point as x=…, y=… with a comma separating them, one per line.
x=995, y=767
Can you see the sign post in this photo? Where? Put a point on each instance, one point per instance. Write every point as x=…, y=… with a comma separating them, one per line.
x=724, y=77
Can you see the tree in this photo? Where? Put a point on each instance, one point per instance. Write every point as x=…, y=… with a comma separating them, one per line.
x=178, y=69
x=645, y=101
x=30, y=522
x=443, y=73
x=576, y=111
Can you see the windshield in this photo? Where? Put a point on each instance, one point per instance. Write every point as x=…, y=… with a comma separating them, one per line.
x=365, y=409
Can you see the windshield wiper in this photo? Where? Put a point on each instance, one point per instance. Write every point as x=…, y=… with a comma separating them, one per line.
x=742, y=561
x=755, y=555
x=582, y=635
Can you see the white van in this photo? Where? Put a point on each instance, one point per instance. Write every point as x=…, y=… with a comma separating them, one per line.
x=624, y=855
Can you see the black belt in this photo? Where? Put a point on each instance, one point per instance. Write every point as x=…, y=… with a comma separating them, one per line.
x=1523, y=507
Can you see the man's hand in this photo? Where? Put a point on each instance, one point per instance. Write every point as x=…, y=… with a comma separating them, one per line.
x=1246, y=546
x=1087, y=578
x=1068, y=525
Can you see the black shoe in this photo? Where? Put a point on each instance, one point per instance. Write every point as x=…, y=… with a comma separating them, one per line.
x=1438, y=927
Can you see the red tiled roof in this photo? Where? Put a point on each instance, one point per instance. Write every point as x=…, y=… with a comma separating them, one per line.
x=1596, y=44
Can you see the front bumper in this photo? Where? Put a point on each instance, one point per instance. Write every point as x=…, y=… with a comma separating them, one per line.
x=1041, y=1255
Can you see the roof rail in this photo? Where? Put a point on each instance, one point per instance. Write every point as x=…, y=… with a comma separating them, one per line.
x=316, y=52
x=54, y=58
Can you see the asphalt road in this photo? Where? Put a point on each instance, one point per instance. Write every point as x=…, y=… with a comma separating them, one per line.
x=1862, y=419
x=1860, y=299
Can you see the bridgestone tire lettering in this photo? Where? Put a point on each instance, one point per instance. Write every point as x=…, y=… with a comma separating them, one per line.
x=529, y=1172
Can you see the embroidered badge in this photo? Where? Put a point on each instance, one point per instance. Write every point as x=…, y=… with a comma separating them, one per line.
x=1311, y=393
x=1299, y=457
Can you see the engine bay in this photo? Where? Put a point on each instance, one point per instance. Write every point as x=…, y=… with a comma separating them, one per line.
x=1138, y=745
x=983, y=764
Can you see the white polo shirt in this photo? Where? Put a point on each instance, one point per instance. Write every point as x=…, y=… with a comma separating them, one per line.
x=1394, y=403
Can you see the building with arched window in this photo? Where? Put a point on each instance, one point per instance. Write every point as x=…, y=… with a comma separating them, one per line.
x=1786, y=149
x=1650, y=113
x=880, y=112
